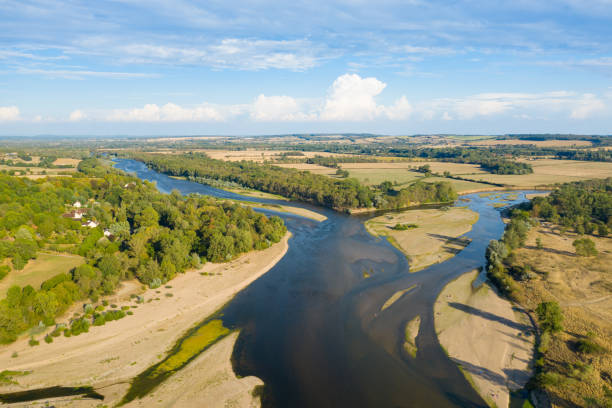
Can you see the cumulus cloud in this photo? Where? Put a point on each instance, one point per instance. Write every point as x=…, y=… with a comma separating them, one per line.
x=8, y=113
x=278, y=108
x=169, y=112
x=351, y=98
x=76, y=115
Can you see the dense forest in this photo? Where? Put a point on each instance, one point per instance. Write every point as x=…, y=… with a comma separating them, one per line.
x=339, y=194
x=584, y=206
x=135, y=232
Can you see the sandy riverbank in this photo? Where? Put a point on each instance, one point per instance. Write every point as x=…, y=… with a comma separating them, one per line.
x=480, y=331
x=434, y=240
x=109, y=356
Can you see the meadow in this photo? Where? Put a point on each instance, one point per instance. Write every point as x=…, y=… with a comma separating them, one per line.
x=45, y=266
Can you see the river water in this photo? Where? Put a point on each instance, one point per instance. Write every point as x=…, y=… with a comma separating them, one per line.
x=312, y=327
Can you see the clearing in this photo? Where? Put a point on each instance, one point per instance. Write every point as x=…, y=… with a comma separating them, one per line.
x=38, y=270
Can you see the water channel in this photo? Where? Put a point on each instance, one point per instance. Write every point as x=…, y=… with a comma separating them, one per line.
x=312, y=327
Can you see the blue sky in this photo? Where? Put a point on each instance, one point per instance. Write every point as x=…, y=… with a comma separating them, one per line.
x=135, y=67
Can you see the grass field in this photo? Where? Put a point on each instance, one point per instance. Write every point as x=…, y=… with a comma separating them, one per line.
x=549, y=171
x=583, y=288
x=38, y=270
x=434, y=240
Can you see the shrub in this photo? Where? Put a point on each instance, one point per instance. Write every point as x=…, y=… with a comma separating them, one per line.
x=550, y=316
x=129, y=312
x=105, y=303
x=33, y=342
x=584, y=247
x=79, y=326
x=550, y=379
x=99, y=320
x=589, y=347
x=48, y=339
x=404, y=227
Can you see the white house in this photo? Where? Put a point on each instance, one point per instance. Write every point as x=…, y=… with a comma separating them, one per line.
x=77, y=204
x=90, y=224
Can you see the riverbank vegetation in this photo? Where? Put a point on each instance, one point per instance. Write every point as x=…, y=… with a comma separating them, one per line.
x=554, y=260
x=122, y=227
x=339, y=194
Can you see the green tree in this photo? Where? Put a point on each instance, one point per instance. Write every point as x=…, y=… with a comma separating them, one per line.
x=584, y=247
x=550, y=317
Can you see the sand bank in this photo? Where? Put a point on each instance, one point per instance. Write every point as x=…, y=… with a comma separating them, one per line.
x=434, y=240
x=490, y=342
x=109, y=356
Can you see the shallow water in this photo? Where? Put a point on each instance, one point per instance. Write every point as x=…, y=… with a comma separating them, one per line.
x=312, y=327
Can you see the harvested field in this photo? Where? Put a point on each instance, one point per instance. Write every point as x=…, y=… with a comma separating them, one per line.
x=550, y=171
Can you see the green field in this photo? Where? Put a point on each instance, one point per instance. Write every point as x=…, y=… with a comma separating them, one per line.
x=39, y=270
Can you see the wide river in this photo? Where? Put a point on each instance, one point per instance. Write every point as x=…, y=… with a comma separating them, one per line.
x=312, y=327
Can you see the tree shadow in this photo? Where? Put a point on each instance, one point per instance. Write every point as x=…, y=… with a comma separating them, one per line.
x=481, y=372
x=451, y=240
x=489, y=316
x=550, y=250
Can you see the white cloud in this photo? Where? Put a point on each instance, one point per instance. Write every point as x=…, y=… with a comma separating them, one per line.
x=278, y=108
x=9, y=113
x=587, y=106
x=80, y=74
x=402, y=109
x=169, y=112
x=351, y=98
x=76, y=115
x=245, y=54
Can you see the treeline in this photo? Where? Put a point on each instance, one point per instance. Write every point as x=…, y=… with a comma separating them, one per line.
x=601, y=155
x=153, y=237
x=334, y=161
x=339, y=194
x=291, y=183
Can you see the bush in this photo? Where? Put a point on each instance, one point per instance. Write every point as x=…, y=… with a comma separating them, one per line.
x=404, y=227
x=585, y=247
x=79, y=326
x=588, y=347
x=4, y=270
x=549, y=379
x=550, y=316
x=48, y=339
x=33, y=342
x=99, y=320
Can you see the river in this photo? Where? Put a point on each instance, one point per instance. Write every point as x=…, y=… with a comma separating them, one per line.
x=312, y=327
